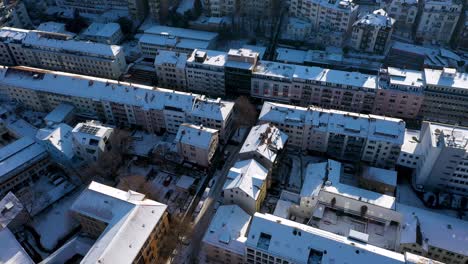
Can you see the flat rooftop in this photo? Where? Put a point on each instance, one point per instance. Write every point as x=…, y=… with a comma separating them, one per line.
x=181, y=33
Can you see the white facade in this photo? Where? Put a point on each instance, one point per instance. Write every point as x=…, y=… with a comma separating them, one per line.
x=108, y=33
x=170, y=69
x=438, y=20
x=372, y=32
x=441, y=157
x=327, y=17
x=246, y=185
x=197, y=144
x=91, y=140
x=59, y=52
x=224, y=241
x=153, y=109
x=59, y=143
x=376, y=140
x=205, y=72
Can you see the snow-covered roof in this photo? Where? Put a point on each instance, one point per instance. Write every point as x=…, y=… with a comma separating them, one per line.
x=448, y=136
x=290, y=55
x=344, y=78
x=189, y=44
x=11, y=250
x=198, y=136
x=261, y=50
x=181, y=33
x=405, y=77
x=22, y=152
x=248, y=176
x=51, y=26
x=447, y=77
x=228, y=229
x=60, y=113
x=185, y=182
x=130, y=220
x=42, y=40
x=61, y=139
x=265, y=140
x=105, y=30
x=209, y=57
x=99, y=89
x=21, y=128
x=334, y=185
x=388, y=177
x=372, y=127
x=170, y=57
x=274, y=70
x=438, y=230
x=10, y=207
x=411, y=141
x=313, y=179
x=91, y=129
x=303, y=244
x=378, y=18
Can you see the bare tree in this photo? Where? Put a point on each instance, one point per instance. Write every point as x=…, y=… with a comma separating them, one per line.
x=178, y=232
x=245, y=111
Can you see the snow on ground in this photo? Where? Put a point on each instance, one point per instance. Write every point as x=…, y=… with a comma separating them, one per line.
x=45, y=193
x=295, y=180
x=55, y=222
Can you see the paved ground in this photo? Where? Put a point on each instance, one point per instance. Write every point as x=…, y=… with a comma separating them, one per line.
x=188, y=253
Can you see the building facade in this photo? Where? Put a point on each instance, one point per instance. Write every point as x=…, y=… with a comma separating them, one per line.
x=59, y=52
x=438, y=20
x=238, y=70
x=197, y=144
x=91, y=140
x=371, y=33
x=404, y=12
x=205, y=72
x=122, y=104
x=170, y=69
x=445, y=96
x=376, y=140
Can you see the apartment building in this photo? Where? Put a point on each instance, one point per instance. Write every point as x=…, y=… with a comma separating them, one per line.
x=107, y=33
x=224, y=241
x=238, y=70
x=303, y=85
x=135, y=8
x=14, y=14
x=221, y=8
x=440, y=157
x=128, y=227
x=265, y=144
x=462, y=34
x=437, y=21
x=445, y=96
x=374, y=139
x=246, y=185
x=22, y=163
x=404, y=12
x=205, y=72
x=273, y=239
x=176, y=39
x=58, y=142
x=371, y=33
x=436, y=236
x=170, y=69
x=400, y=93
x=91, y=140
x=197, y=144
x=152, y=109
x=331, y=17
x=56, y=51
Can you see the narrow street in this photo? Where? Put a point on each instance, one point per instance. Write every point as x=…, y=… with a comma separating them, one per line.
x=187, y=253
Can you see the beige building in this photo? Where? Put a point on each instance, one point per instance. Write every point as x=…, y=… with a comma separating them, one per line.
x=437, y=20
x=155, y=110
x=170, y=69
x=56, y=51
x=128, y=227
x=376, y=140
x=246, y=185
x=224, y=240
x=197, y=144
